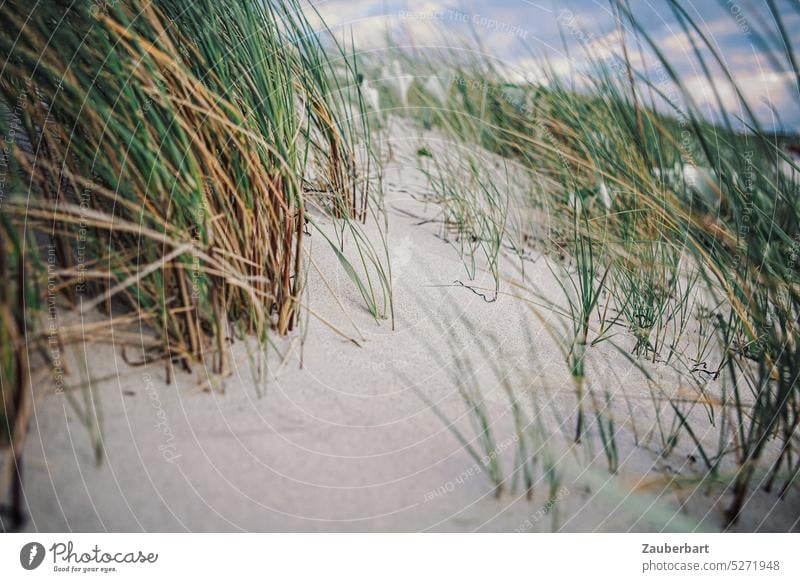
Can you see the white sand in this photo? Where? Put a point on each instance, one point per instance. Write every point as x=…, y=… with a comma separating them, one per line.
x=345, y=443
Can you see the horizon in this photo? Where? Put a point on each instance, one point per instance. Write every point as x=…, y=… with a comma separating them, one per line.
x=520, y=35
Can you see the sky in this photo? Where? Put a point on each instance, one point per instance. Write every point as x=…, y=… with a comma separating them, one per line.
x=520, y=33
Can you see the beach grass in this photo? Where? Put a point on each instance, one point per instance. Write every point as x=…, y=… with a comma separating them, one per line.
x=163, y=162
x=686, y=228
x=169, y=160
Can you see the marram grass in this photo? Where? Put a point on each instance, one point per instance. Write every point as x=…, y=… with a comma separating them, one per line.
x=159, y=168
x=667, y=218
x=157, y=158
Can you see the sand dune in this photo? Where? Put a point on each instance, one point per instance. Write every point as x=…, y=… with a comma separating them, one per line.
x=340, y=440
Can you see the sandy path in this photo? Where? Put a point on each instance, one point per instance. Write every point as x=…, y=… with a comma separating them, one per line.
x=344, y=443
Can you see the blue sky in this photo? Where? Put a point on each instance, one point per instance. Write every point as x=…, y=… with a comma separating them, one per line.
x=518, y=32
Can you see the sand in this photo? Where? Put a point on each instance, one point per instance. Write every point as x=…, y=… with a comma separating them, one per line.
x=340, y=439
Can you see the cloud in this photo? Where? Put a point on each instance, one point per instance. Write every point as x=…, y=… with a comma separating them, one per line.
x=507, y=27
x=766, y=92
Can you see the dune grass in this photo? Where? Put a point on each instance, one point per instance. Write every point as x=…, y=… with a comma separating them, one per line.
x=688, y=228
x=163, y=164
